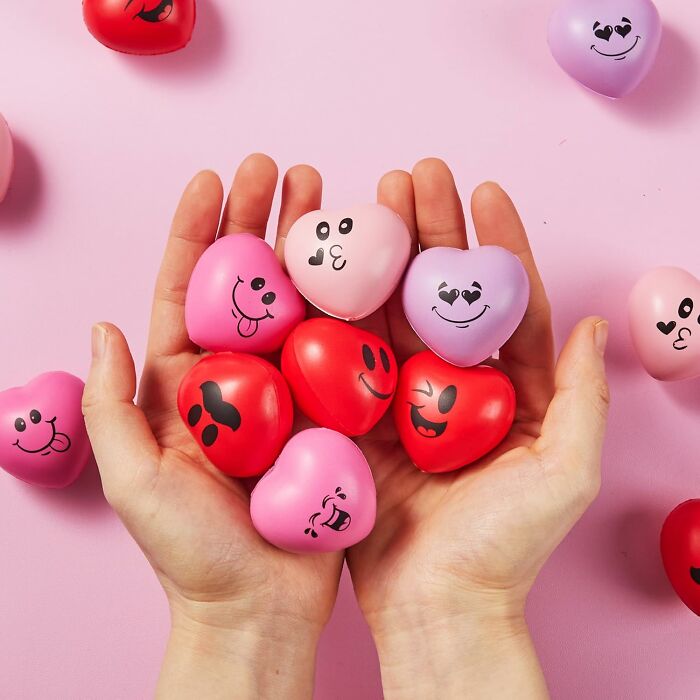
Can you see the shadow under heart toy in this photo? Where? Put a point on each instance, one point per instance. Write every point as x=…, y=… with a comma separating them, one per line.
x=7, y=157
x=318, y=497
x=348, y=263
x=448, y=417
x=238, y=409
x=240, y=299
x=465, y=304
x=43, y=439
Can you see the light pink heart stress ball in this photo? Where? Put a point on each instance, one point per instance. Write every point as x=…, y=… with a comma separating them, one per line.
x=239, y=298
x=318, y=497
x=607, y=45
x=664, y=314
x=43, y=440
x=7, y=157
x=348, y=263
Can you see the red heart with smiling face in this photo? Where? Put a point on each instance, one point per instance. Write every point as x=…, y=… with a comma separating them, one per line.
x=341, y=377
x=145, y=27
x=447, y=416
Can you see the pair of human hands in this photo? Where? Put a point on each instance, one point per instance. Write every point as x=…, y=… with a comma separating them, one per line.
x=443, y=577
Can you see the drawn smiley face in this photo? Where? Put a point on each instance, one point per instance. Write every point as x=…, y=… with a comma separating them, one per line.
x=445, y=403
x=618, y=34
x=251, y=305
x=460, y=307
x=150, y=11
x=39, y=436
x=680, y=334
x=335, y=518
x=338, y=260
x=375, y=379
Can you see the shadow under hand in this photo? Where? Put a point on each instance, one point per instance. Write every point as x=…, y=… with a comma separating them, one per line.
x=24, y=196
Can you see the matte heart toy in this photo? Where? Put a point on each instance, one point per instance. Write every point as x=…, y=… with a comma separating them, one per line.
x=144, y=27
x=348, y=263
x=319, y=496
x=239, y=410
x=465, y=304
x=448, y=417
x=607, y=45
x=7, y=157
x=664, y=311
x=239, y=298
x=43, y=440
x=680, y=551
x=341, y=377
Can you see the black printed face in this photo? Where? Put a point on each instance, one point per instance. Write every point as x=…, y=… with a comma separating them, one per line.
x=330, y=516
x=461, y=307
x=614, y=42
x=150, y=11
x=219, y=413
x=377, y=376
x=35, y=435
x=333, y=244
x=680, y=331
x=428, y=415
x=252, y=304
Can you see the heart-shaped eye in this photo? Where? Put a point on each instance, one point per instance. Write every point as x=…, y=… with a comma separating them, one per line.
x=449, y=295
x=605, y=33
x=623, y=30
x=666, y=328
x=471, y=297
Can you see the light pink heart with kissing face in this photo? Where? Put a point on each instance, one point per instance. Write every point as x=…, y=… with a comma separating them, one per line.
x=348, y=263
x=43, y=440
x=318, y=497
x=664, y=313
x=7, y=157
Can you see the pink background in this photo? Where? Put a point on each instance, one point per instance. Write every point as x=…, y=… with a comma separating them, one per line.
x=105, y=144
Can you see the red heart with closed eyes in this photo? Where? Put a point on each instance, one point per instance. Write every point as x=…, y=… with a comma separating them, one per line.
x=447, y=416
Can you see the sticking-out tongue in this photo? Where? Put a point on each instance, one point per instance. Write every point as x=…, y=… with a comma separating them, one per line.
x=60, y=443
x=427, y=432
x=247, y=327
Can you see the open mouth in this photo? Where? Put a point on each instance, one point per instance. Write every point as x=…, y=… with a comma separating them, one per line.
x=695, y=574
x=247, y=325
x=158, y=14
x=617, y=56
x=680, y=343
x=425, y=427
x=371, y=390
x=59, y=442
x=338, y=521
x=465, y=323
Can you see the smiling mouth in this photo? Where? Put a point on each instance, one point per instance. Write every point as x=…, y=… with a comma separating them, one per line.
x=425, y=427
x=617, y=56
x=247, y=325
x=680, y=342
x=339, y=520
x=462, y=324
x=372, y=391
x=60, y=438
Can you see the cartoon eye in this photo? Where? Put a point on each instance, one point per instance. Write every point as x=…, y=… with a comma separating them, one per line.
x=447, y=399
x=35, y=416
x=194, y=414
x=605, y=33
x=345, y=226
x=384, y=358
x=209, y=435
x=685, y=308
x=368, y=357
x=323, y=230
x=624, y=29
x=268, y=298
x=20, y=425
x=257, y=284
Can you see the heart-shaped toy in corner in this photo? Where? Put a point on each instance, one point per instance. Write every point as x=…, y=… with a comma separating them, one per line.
x=341, y=377
x=43, y=439
x=348, y=263
x=319, y=496
x=239, y=299
x=448, y=417
x=7, y=157
x=664, y=315
x=238, y=409
x=680, y=551
x=465, y=304
x=607, y=45
x=145, y=27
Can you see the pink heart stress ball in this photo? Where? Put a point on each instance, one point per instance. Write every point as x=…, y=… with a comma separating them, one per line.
x=239, y=298
x=348, y=263
x=318, y=497
x=664, y=313
x=607, y=45
x=7, y=157
x=465, y=304
x=43, y=440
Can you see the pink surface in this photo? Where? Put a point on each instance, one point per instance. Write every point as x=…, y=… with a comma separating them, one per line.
x=105, y=143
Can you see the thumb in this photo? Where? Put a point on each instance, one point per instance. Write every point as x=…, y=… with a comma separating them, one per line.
x=121, y=437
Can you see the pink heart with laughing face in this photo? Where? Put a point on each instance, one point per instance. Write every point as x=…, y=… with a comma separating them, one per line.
x=43, y=440
x=318, y=497
x=7, y=157
x=239, y=298
x=348, y=263
x=664, y=311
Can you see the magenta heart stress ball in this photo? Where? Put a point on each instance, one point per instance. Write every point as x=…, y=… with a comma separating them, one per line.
x=465, y=304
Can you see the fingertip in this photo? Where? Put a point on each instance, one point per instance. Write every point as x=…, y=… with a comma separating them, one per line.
x=429, y=167
x=258, y=165
x=393, y=182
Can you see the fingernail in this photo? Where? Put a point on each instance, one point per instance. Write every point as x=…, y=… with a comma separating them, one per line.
x=99, y=341
x=600, y=336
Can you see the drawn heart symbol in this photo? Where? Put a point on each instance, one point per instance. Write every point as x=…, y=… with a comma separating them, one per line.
x=318, y=497
x=239, y=298
x=680, y=551
x=583, y=43
x=493, y=295
x=145, y=27
x=368, y=248
x=448, y=417
x=341, y=377
x=7, y=157
x=664, y=313
x=43, y=440
x=238, y=409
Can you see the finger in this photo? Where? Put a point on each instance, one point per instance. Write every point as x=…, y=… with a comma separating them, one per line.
x=250, y=200
x=439, y=212
x=121, y=437
x=302, y=189
x=529, y=354
x=192, y=231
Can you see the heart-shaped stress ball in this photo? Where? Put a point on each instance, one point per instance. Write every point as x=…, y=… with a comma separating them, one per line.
x=43, y=440
x=145, y=27
x=680, y=551
x=319, y=496
x=7, y=157
x=465, y=304
x=239, y=410
x=607, y=45
x=664, y=313
x=448, y=417
x=341, y=377
x=348, y=263
x=239, y=298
